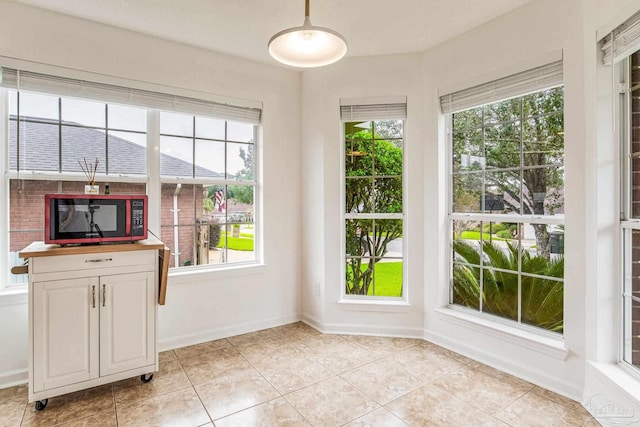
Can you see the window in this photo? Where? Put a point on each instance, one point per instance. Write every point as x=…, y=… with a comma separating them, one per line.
x=211, y=219
x=507, y=201
x=205, y=169
x=630, y=218
x=621, y=49
x=374, y=207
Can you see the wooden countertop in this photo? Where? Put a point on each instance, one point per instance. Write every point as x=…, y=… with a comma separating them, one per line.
x=40, y=249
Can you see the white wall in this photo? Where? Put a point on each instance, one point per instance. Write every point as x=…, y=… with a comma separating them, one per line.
x=322, y=188
x=203, y=306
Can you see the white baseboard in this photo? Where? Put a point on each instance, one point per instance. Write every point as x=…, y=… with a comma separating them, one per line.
x=521, y=371
x=355, y=329
x=16, y=377
x=225, y=332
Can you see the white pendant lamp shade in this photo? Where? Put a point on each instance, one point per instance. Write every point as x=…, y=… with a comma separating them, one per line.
x=307, y=46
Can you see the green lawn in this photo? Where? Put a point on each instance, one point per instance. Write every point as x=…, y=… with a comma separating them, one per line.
x=242, y=243
x=388, y=279
x=475, y=235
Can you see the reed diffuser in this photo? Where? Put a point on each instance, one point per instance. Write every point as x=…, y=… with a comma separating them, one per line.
x=90, y=170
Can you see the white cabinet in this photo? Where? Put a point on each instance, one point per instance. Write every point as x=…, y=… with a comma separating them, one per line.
x=92, y=316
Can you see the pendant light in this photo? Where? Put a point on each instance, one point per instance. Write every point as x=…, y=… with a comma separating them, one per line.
x=307, y=46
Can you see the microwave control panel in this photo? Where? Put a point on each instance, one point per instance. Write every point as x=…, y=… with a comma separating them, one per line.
x=137, y=217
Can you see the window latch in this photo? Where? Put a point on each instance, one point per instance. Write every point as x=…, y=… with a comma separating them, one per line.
x=622, y=88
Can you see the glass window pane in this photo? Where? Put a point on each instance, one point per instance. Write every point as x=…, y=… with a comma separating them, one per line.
x=36, y=106
x=358, y=195
x=81, y=148
x=499, y=288
x=387, y=277
x=83, y=112
x=542, y=303
x=466, y=286
x=210, y=128
x=123, y=117
x=387, y=158
x=502, y=192
x=127, y=153
x=467, y=192
x=240, y=132
x=210, y=159
x=359, y=237
x=359, y=276
x=544, y=190
x=387, y=238
x=388, y=129
x=176, y=156
x=502, y=145
x=468, y=119
x=176, y=124
x=467, y=150
x=358, y=158
x=240, y=204
x=13, y=103
x=543, y=102
x=240, y=161
x=503, y=111
x=39, y=146
x=387, y=194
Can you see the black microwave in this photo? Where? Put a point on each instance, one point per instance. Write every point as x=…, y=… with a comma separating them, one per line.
x=90, y=219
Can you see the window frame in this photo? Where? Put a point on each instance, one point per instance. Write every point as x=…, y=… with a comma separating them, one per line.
x=627, y=224
x=344, y=216
x=483, y=218
x=151, y=178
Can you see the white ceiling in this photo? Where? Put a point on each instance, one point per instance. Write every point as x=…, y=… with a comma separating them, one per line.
x=243, y=27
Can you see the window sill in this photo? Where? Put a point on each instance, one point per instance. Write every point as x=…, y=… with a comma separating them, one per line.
x=620, y=377
x=398, y=306
x=14, y=297
x=549, y=346
x=188, y=275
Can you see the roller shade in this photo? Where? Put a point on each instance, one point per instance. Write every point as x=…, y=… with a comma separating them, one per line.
x=623, y=41
x=372, y=109
x=533, y=80
x=62, y=86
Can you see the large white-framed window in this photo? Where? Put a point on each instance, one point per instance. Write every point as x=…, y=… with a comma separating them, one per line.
x=206, y=180
x=629, y=108
x=621, y=51
x=506, y=198
x=373, y=173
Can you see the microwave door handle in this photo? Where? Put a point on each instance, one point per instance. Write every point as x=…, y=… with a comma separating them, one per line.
x=128, y=218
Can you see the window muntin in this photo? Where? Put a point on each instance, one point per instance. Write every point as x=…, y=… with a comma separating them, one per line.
x=507, y=206
x=374, y=220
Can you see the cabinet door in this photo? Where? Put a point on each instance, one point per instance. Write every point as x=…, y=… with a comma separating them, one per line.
x=65, y=332
x=127, y=322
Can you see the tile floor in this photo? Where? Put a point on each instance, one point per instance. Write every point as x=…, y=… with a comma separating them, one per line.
x=295, y=376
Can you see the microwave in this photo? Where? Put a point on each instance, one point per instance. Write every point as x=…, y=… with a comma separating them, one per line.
x=91, y=219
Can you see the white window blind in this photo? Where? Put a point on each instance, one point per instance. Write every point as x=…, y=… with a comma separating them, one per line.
x=533, y=80
x=63, y=86
x=623, y=41
x=373, y=109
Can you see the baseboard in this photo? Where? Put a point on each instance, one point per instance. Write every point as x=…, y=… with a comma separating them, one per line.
x=355, y=329
x=540, y=379
x=16, y=377
x=225, y=332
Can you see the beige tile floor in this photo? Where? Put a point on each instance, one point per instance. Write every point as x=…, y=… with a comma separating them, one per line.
x=295, y=376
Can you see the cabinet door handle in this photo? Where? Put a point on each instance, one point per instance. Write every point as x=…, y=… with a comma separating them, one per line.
x=104, y=294
x=93, y=295
x=99, y=260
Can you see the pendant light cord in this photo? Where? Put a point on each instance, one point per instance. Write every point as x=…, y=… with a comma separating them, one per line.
x=306, y=8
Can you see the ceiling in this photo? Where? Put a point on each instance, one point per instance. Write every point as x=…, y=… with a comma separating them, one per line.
x=243, y=27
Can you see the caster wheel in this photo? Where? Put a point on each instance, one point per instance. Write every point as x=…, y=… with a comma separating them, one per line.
x=41, y=404
x=145, y=378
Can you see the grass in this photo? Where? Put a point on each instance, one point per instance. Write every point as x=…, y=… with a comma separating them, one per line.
x=475, y=235
x=388, y=279
x=242, y=243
